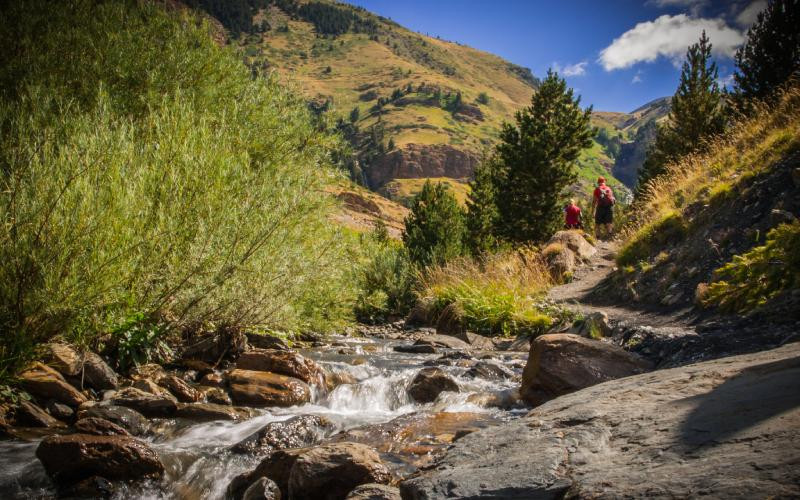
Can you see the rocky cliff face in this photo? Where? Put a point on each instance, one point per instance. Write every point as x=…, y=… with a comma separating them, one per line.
x=417, y=161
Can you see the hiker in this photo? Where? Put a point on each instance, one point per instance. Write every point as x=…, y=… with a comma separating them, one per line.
x=602, y=204
x=572, y=216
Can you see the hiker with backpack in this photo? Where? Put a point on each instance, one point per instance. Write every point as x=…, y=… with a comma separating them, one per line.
x=602, y=204
x=572, y=216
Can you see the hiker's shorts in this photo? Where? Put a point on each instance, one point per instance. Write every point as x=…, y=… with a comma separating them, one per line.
x=604, y=215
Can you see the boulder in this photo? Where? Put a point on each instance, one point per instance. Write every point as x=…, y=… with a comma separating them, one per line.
x=416, y=349
x=212, y=380
x=97, y=374
x=374, y=491
x=45, y=383
x=99, y=427
x=595, y=325
x=69, y=459
x=447, y=341
x=276, y=466
x=296, y=432
x=211, y=411
x=28, y=414
x=561, y=261
x=60, y=411
x=728, y=428
x=93, y=487
x=130, y=420
x=256, y=388
x=574, y=241
x=429, y=383
x=149, y=405
x=63, y=358
x=200, y=367
x=266, y=341
x=331, y=471
x=561, y=363
x=226, y=343
x=183, y=391
x=262, y=489
x=336, y=378
x=216, y=395
x=288, y=363
x=148, y=386
x=505, y=399
x=150, y=371
x=489, y=370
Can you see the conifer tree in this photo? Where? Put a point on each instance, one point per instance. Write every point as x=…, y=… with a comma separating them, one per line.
x=771, y=53
x=536, y=161
x=434, y=231
x=696, y=113
x=481, y=218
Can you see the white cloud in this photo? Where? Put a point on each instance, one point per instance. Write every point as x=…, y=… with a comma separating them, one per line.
x=577, y=69
x=725, y=81
x=749, y=14
x=668, y=36
x=637, y=78
x=694, y=6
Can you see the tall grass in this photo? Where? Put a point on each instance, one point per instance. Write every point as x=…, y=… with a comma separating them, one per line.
x=146, y=175
x=749, y=146
x=499, y=294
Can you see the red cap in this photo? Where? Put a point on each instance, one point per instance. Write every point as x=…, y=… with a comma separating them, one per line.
x=601, y=180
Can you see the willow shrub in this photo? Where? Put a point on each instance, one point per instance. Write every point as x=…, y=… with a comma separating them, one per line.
x=148, y=176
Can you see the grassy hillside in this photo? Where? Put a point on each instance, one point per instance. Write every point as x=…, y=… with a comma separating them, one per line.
x=720, y=230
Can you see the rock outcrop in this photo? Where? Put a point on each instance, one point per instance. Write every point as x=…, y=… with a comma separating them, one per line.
x=561, y=363
x=296, y=432
x=728, y=428
x=416, y=161
x=69, y=459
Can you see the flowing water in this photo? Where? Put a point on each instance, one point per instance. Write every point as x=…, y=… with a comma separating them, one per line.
x=195, y=455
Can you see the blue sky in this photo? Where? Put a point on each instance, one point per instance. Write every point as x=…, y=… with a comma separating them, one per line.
x=616, y=54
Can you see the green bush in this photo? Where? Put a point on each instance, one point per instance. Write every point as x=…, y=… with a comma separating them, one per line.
x=434, y=230
x=145, y=174
x=651, y=239
x=751, y=280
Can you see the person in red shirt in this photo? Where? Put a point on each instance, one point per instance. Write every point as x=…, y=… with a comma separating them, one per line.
x=572, y=216
x=603, y=207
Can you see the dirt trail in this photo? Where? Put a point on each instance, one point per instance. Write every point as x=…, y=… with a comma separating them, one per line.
x=577, y=295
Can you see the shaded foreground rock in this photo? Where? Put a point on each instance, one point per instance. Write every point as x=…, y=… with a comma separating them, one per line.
x=296, y=432
x=130, y=420
x=149, y=405
x=262, y=489
x=28, y=414
x=429, y=383
x=561, y=363
x=211, y=411
x=283, y=362
x=276, y=467
x=256, y=388
x=99, y=427
x=728, y=428
x=69, y=459
x=373, y=491
x=46, y=383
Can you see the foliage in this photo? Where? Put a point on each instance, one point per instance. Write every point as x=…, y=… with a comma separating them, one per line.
x=536, y=161
x=434, y=230
x=144, y=171
x=138, y=341
x=335, y=20
x=483, y=98
x=695, y=116
x=386, y=282
x=752, y=279
x=771, y=53
x=650, y=239
x=481, y=216
x=235, y=15
x=498, y=294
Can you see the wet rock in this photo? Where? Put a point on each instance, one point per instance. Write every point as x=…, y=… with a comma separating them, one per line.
x=505, y=399
x=562, y=363
x=216, y=395
x=297, y=432
x=200, y=367
x=728, y=428
x=28, y=414
x=69, y=459
x=443, y=341
x=93, y=487
x=60, y=411
x=337, y=378
x=262, y=489
x=489, y=370
x=130, y=420
x=416, y=349
x=211, y=411
x=257, y=388
x=97, y=374
x=276, y=466
x=149, y=405
x=520, y=344
x=287, y=363
x=226, y=343
x=267, y=342
x=63, y=358
x=45, y=383
x=333, y=470
x=147, y=385
x=183, y=391
x=373, y=491
x=429, y=383
x=212, y=380
x=99, y=427
x=150, y=371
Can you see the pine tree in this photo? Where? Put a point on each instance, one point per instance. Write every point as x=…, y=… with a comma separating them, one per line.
x=354, y=114
x=696, y=113
x=771, y=53
x=481, y=218
x=536, y=161
x=434, y=231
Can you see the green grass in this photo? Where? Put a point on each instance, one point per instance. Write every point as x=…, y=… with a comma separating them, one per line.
x=651, y=239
